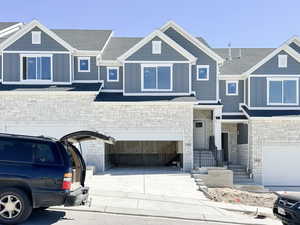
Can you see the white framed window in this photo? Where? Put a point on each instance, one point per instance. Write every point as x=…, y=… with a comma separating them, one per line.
x=156, y=47
x=112, y=74
x=36, y=37
x=156, y=77
x=282, y=61
x=84, y=64
x=202, y=72
x=232, y=87
x=36, y=67
x=283, y=91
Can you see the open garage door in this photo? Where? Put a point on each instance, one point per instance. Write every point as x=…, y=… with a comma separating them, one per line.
x=144, y=153
x=281, y=164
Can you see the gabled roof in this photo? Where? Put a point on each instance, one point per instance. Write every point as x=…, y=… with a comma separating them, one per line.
x=29, y=27
x=193, y=40
x=270, y=113
x=118, y=46
x=4, y=25
x=165, y=38
x=284, y=47
x=240, y=64
x=92, y=40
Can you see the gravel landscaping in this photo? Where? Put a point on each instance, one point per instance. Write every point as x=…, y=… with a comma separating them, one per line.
x=235, y=196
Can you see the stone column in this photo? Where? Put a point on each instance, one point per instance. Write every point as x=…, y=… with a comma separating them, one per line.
x=217, y=116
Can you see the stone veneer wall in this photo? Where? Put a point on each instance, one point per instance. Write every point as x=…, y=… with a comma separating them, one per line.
x=55, y=113
x=263, y=131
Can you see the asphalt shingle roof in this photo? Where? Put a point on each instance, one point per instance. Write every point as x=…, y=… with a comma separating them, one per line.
x=238, y=65
x=4, y=25
x=93, y=40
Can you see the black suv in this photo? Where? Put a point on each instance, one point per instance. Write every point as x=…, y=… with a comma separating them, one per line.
x=39, y=172
x=287, y=208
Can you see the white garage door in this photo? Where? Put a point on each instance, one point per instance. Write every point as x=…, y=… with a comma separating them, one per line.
x=281, y=164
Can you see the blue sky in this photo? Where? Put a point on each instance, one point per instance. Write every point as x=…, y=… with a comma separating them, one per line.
x=244, y=23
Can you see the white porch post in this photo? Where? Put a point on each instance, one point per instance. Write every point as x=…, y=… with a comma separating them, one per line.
x=217, y=116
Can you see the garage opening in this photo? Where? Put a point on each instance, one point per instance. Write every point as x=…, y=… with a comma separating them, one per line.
x=144, y=153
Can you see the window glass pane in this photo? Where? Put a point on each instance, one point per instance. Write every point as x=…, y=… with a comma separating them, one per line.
x=84, y=64
x=202, y=73
x=231, y=88
x=149, y=77
x=15, y=150
x=290, y=89
x=113, y=74
x=46, y=153
x=31, y=67
x=164, y=77
x=275, y=92
x=46, y=68
x=38, y=67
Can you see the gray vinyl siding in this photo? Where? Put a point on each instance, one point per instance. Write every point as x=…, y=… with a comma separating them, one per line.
x=246, y=91
x=271, y=66
x=25, y=43
x=11, y=67
x=167, y=53
x=133, y=78
x=258, y=93
x=61, y=68
x=111, y=85
x=0, y=67
x=231, y=103
x=242, y=137
x=92, y=75
x=205, y=90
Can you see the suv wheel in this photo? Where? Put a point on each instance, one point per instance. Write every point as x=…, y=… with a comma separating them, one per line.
x=15, y=206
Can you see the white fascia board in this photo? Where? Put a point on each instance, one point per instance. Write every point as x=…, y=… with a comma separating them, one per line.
x=85, y=53
x=192, y=39
x=284, y=47
x=232, y=77
x=29, y=27
x=109, y=63
x=10, y=29
x=234, y=121
x=165, y=38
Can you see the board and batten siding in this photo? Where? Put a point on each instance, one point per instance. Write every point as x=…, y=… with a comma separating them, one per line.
x=133, y=76
x=0, y=67
x=205, y=90
x=60, y=63
x=231, y=102
x=271, y=66
x=108, y=85
x=86, y=76
x=168, y=53
x=24, y=43
x=258, y=93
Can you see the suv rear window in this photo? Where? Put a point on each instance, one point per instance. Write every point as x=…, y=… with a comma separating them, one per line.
x=22, y=150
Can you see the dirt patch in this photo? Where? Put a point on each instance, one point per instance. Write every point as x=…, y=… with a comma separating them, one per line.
x=235, y=196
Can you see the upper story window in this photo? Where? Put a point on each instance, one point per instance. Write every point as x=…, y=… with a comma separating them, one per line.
x=36, y=37
x=282, y=61
x=156, y=47
x=83, y=64
x=283, y=91
x=232, y=87
x=113, y=74
x=203, y=72
x=36, y=67
x=157, y=77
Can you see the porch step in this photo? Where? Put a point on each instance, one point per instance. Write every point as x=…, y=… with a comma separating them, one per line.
x=240, y=175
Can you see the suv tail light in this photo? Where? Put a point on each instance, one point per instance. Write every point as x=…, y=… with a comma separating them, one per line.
x=67, y=181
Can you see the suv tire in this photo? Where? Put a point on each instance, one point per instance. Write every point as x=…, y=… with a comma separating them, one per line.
x=15, y=206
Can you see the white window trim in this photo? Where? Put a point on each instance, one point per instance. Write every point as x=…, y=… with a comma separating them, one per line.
x=89, y=64
x=156, y=65
x=107, y=73
x=282, y=79
x=154, y=43
x=203, y=66
x=36, y=81
x=280, y=57
x=36, y=37
x=237, y=87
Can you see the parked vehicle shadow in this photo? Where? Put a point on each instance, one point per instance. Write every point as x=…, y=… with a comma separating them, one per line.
x=45, y=217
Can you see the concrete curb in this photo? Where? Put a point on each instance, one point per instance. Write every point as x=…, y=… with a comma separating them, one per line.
x=160, y=214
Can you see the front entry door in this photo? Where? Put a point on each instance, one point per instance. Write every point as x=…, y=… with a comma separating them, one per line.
x=199, y=135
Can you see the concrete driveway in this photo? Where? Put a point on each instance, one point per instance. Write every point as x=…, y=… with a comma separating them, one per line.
x=169, y=182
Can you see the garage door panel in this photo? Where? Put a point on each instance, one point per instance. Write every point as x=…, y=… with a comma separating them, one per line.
x=281, y=164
